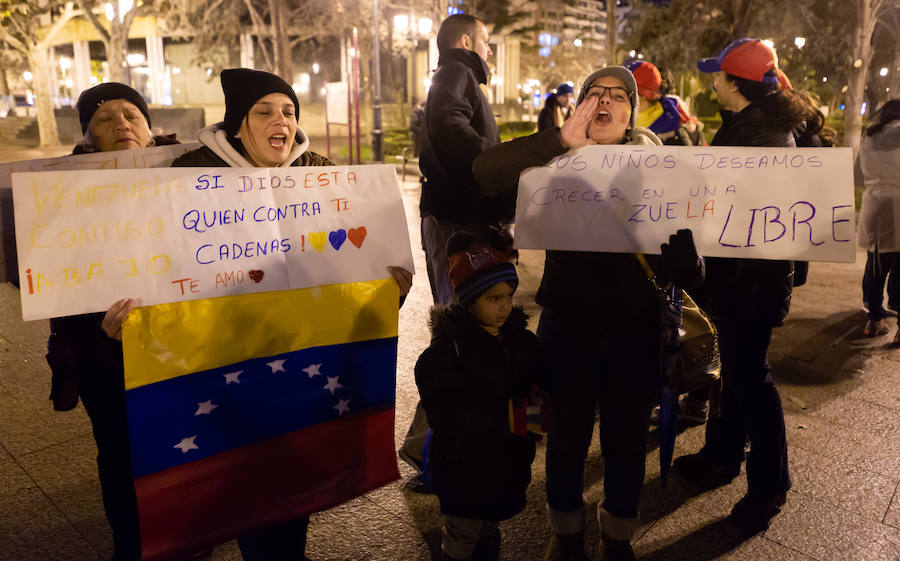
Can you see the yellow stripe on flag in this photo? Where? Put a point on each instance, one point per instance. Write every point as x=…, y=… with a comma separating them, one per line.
x=169, y=340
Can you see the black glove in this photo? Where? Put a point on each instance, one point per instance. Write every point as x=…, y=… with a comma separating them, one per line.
x=680, y=261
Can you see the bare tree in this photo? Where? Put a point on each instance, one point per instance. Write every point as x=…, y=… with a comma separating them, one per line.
x=867, y=14
x=115, y=37
x=20, y=27
x=11, y=62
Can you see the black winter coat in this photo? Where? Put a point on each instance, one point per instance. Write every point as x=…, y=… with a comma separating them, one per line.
x=756, y=290
x=78, y=348
x=479, y=468
x=460, y=125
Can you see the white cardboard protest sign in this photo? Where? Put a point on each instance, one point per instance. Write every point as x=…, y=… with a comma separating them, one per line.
x=155, y=157
x=161, y=235
x=764, y=203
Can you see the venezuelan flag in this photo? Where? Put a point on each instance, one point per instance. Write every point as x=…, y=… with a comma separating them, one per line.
x=250, y=410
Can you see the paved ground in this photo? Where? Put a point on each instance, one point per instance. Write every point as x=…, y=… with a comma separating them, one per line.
x=841, y=401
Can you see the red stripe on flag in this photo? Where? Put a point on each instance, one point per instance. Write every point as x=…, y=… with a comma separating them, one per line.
x=190, y=508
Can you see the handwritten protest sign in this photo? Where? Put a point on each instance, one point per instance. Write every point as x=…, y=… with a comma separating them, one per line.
x=174, y=234
x=766, y=203
x=157, y=156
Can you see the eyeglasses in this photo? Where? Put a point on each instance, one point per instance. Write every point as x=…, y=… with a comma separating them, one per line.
x=617, y=94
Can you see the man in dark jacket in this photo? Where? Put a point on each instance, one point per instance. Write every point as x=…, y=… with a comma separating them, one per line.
x=460, y=126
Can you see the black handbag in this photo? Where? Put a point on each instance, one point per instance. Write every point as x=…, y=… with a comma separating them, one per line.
x=693, y=362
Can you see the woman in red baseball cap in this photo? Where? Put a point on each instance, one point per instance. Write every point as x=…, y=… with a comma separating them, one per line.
x=746, y=299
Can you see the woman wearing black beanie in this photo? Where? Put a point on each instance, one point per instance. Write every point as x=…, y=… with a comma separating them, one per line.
x=85, y=351
x=261, y=129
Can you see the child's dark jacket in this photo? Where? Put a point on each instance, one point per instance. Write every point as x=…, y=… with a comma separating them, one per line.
x=479, y=468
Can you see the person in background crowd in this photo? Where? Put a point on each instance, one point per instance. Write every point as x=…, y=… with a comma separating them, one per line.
x=417, y=129
x=558, y=107
x=691, y=123
x=658, y=113
x=482, y=360
x=85, y=351
x=879, y=217
x=600, y=328
x=746, y=299
x=812, y=133
x=261, y=129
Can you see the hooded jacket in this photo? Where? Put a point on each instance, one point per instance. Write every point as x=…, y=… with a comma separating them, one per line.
x=879, y=216
x=466, y=377
x=460, y=125
x=756, y=290
x=218, y=151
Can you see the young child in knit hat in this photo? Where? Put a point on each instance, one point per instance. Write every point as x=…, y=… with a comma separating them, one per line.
x=481, y=364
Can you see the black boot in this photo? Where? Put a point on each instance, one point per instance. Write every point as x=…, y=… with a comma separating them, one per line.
x=487, y=548
x=566, y=547
x=753, y=512
x=705, y=471
x=615, y=550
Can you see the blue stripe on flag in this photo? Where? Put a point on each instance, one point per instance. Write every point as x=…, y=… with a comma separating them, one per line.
x=201, y=414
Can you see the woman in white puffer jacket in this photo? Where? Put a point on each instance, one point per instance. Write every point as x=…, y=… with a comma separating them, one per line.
x=879, y=218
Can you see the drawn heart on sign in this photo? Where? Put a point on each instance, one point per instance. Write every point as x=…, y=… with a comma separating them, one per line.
x=256, y=275
x=337, y=238
x=318, y=239
x=357, y=235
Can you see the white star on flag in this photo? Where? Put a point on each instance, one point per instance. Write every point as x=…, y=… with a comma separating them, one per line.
x=205, y=408
x=187, y=444
x=276, y=366
x=332, y=384
x=342, y=406
x=313, y=369
x=232, y=377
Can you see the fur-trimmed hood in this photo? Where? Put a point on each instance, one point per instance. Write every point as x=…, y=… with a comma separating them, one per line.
x=454, y=321
x=215, y=138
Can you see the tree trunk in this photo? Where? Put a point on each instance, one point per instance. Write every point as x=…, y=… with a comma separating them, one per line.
x=116, y=50
x=40, y=66
x=895, y=72
x=860, y=56
x=4, y=91
x=4, y=82
x=612, y=32
x=281, y=46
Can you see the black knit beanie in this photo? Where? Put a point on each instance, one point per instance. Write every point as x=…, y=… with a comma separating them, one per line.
x=244, y=87
x=92, y=98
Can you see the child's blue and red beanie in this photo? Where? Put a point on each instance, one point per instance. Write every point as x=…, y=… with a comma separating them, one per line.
x=475, y=266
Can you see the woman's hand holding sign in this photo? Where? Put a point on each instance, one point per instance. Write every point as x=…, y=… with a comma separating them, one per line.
x=115, y=315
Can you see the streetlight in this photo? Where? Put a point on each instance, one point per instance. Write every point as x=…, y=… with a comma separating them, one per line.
x=800, y=42
x=315, y=68
x=577, y=42
x=883, y=71
x=401, y=22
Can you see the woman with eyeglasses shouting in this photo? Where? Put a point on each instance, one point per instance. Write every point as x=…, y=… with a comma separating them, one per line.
x=600, y=328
